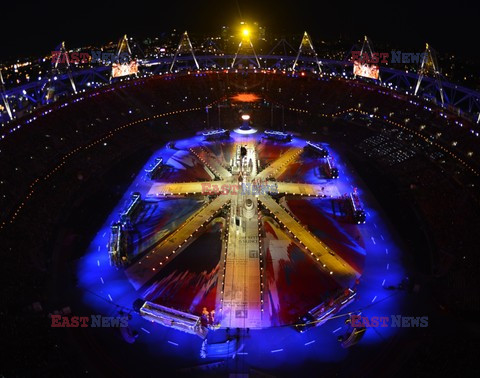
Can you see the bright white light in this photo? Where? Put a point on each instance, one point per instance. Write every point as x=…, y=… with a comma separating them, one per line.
x=245, y=132
x=245, y=117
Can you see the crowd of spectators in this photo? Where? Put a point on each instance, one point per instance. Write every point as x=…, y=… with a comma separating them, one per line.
x=46, y=165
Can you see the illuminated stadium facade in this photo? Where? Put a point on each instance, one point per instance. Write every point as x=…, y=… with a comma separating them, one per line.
x=458, y=98
x=220, y=202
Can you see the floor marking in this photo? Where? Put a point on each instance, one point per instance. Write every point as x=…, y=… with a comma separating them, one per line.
x=101, y=279
x=373, y=300
x=98, y=262
x=109, y=296
x=388, y=266
x=310, y=342
x=171, y=342
x=373, y=240
x=383, y=283
x=338, y=329
x=276, y=350
x=144, y=330
x=386, y=251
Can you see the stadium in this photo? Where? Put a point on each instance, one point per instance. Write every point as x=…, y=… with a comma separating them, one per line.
x=238, y=212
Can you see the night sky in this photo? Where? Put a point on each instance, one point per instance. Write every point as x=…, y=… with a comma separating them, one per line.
x=38, y=27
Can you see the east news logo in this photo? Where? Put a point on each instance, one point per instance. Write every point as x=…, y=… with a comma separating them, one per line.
x=389, y=321
x=60, y=321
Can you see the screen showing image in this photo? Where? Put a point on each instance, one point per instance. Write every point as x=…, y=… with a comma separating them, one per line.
x=124, y=69
x=366, y=70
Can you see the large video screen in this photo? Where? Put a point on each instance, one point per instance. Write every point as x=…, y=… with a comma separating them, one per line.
x=366, y=70
x=124, y=69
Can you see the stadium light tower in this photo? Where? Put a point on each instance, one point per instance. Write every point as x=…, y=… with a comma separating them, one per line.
x=307, y=44
x=429, y=65
x=4, y=96
x=184, y=45
x=245, y=39
x=125, y=64
x=367, y=49
x=60, y=63
x=63, y=51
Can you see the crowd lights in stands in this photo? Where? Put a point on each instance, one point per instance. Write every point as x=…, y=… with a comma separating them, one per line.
x=135, y=81
x=239, y=130
x=86, y=147
x=332, y=115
